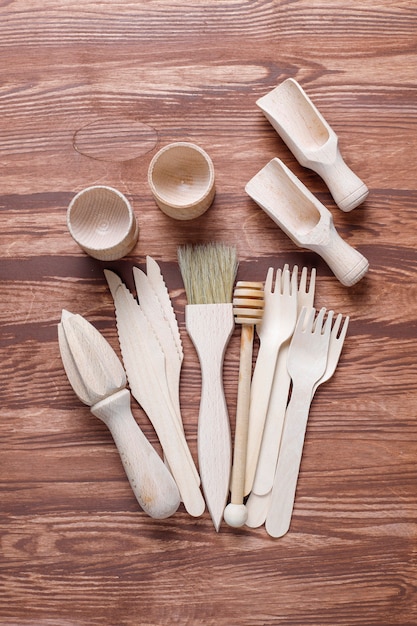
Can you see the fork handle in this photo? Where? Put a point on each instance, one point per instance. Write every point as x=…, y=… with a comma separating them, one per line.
x=289, y=460
x=274, y=424
x=262, y=379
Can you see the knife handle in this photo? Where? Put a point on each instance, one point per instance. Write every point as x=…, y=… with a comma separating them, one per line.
x=151, y=481
x=210, y=327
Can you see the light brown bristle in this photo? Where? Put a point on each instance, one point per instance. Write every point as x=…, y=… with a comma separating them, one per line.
x=208, y=272
x=248, y=302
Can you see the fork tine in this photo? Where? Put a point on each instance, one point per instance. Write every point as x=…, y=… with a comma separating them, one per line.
x=268, y=280
x=343, y=332
x=305, y=320
x=305, y=297
x=303, y=280
x=328, y=323
x=318, y=322
x=336, y=325
x=294, y=277
x=285, y=283
x=312, y=284
x=278, y=281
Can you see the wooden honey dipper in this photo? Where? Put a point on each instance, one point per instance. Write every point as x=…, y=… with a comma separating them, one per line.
x=248, y=304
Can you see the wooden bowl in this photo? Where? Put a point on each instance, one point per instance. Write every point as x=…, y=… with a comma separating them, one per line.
x=101, y=220
x=181, y=178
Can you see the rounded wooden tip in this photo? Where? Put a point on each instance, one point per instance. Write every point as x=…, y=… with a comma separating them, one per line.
x=235, y=515
x=181, y=178
x=248, y=302
x=101, y=220
x=354, y=199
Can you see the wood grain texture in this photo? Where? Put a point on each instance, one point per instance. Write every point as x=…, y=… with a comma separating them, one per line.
x=89, y=91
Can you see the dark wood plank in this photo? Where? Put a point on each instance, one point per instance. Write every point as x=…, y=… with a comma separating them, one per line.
x=88, y=93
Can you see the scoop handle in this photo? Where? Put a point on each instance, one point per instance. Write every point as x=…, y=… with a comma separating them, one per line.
x=210, y=327
x=347, y=189
x=150, y=479
x=347, y=263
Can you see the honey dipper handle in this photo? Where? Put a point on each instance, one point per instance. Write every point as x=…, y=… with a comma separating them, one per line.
x=236, y=514
x=347, y=263
x=151, y=481
x=242, y=415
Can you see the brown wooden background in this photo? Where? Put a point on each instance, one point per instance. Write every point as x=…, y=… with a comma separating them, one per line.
x=88, y=92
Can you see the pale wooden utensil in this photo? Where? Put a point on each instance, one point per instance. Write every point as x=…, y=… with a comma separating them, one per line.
x=101, y=220
x=274, y=423
x=208, y=273
x=144, y=362
x=156, y=304
x=248, y=304
x=258, y=505
x=181, y=178
x=307, y=361
x=156, y=280
x=335, y=348
x=306, y=221
x=156, y=314
x=277, y=325
x=257, y=509
x=312, y=141
x=98, y=379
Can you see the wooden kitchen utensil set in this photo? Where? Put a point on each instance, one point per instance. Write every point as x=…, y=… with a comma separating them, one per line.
x=298, y=349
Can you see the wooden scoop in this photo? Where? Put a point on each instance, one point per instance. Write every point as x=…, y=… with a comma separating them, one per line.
x=312, y=141
x=99, y=380
x=305, y=220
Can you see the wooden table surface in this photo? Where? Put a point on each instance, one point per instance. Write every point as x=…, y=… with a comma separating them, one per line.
x=89, y=92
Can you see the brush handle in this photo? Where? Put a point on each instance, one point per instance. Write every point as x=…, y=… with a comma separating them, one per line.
x=151, y=481
x=210, y=327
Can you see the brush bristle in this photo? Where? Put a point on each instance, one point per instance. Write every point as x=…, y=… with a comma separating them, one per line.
x=208, y=272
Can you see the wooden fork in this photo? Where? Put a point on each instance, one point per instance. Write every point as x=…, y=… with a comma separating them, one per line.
x=258, y=502
x=307, y=362
x=265, y=471
x=278, y=322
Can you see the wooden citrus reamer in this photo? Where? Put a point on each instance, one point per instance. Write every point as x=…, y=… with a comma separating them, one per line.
x=248, y=303
x=98, y=379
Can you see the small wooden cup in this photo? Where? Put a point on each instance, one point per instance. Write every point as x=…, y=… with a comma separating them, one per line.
x=181, y=178
x=101, y=220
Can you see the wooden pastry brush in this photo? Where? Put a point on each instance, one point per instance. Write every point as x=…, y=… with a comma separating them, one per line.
x=208, y=272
